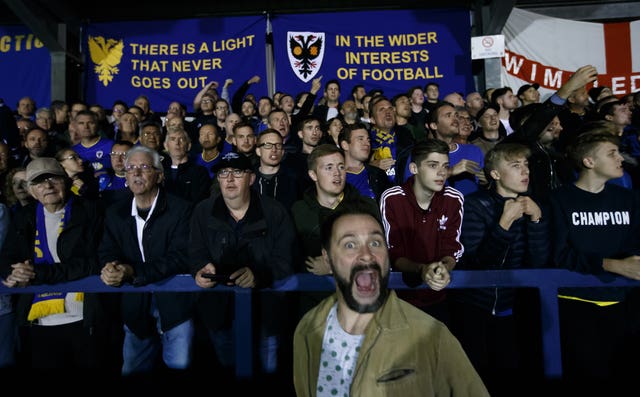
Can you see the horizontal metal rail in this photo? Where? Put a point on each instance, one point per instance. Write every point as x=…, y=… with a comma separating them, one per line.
x=546, y=280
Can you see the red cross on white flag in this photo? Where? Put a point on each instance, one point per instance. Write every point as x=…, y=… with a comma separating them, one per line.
x=548, y=50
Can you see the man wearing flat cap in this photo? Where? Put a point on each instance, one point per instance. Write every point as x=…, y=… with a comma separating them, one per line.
x=55, y=240
x=250, y=239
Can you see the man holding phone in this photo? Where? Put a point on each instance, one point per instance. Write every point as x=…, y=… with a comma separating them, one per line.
x=248, y=239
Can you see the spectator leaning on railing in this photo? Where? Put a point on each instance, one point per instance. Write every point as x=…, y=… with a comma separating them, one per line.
x=52, y=241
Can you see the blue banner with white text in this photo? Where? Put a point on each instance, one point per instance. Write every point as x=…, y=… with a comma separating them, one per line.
x=25, y=67
x=173, y=60
x=390, y=50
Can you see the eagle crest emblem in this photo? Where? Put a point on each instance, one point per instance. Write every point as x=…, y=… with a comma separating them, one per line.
x=306, y=52
x=106, y=55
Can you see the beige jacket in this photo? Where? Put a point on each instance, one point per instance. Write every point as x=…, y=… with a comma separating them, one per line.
x=405, y=352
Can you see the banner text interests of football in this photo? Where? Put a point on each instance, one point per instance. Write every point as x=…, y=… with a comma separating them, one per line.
x=389, y=50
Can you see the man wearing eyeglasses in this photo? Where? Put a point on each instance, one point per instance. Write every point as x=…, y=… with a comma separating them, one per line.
x=250, y=239
x=54, y=240
x=206, y=113
x=151, y=135
x=145, y=241
x=273, y=178
x=221, y=111
x=112, y=184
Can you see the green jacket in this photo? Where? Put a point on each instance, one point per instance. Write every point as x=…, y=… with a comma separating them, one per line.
x=405, y=352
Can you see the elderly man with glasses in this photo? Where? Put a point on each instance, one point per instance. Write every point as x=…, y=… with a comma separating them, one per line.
x=145, y=241
x=273, y=178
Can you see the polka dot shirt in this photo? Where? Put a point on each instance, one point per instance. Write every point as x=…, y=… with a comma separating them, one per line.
x=338, y=359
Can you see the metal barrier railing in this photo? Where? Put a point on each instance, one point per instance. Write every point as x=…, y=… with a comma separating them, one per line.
x=546, y=280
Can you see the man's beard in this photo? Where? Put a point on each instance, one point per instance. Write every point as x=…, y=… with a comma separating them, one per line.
x=346, y=288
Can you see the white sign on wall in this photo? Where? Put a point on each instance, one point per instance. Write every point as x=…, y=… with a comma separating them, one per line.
x=483, y=47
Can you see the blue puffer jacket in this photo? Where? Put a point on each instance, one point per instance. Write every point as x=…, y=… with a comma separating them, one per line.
x=488, y=246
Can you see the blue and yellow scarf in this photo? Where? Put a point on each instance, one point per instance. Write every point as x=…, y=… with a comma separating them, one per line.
x=49, y=302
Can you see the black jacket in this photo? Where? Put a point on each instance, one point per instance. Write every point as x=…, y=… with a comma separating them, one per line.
x=378, y=180
x=548, y=168
x=297, y=162
x=282, y=186
x=308, y=216
x=322, y=112
x=488, y=246
x=190, y=181
x=548, y=171
x=77, y=249
x=262, y=241
x=165, y=240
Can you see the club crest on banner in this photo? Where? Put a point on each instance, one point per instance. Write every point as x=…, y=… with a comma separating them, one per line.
x=106, y=55
x=306, y=52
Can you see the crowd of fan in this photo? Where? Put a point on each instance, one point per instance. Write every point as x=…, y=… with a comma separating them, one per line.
x=311, y=154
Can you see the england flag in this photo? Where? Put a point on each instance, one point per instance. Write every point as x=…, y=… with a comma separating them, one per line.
x=545, y=50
